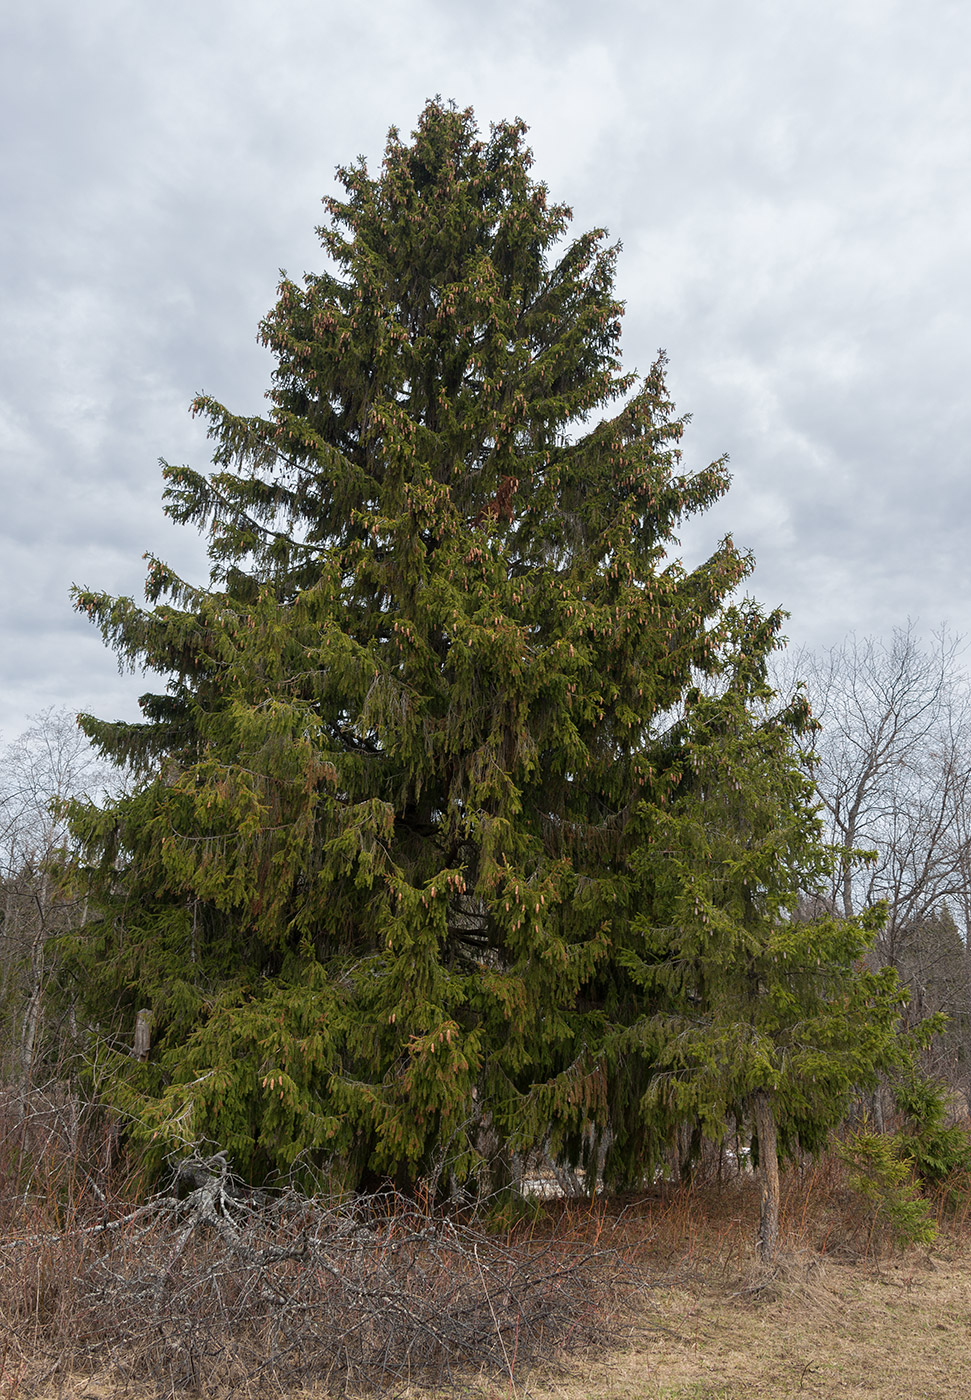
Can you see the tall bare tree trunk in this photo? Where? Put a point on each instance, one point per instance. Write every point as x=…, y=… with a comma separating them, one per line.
x=768, y=1176
x=32, y=1014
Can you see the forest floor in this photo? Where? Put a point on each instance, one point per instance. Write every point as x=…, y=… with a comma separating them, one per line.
x=694, y=1315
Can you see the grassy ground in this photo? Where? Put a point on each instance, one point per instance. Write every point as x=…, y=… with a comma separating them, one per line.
x=694, y=1317
x=899, y=1332
x=842, y=1315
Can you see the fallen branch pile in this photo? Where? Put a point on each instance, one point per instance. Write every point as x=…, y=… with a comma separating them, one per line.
x=211, y=1286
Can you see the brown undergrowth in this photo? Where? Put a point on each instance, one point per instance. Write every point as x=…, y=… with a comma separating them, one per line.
x=211, y=1289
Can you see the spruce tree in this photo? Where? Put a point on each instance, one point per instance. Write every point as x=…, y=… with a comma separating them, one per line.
x=380, y=879
x=754, y=1012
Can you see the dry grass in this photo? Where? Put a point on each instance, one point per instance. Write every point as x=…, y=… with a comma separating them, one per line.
x=834, y=1320
x=847, y=1330
x=210, y=1291
x=838, y=1331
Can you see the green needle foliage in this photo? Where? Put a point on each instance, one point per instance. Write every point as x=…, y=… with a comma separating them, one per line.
x=740, y=994
x=390, y=876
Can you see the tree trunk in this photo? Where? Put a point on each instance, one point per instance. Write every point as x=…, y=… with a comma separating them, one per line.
x=32, y=1014
x=143, y=1035
x=768, y=1177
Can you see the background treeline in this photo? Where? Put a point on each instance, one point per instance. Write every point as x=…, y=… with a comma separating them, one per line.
x=49, y=763
x=891, y=762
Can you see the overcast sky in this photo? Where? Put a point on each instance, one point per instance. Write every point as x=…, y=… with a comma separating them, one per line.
x=790, y=183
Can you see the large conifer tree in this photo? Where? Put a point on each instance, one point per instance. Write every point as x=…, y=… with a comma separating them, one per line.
x=378, y=879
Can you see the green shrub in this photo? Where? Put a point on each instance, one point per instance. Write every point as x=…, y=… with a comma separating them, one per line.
x=939, y=1152
x=884, y=1177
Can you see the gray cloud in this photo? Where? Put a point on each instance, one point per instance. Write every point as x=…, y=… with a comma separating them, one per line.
x=790, y=184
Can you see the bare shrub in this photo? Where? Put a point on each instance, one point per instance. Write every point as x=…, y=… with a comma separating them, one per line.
x=211, y=1286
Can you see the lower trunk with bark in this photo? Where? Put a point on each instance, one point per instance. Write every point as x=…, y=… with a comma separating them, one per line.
x=768, y=1176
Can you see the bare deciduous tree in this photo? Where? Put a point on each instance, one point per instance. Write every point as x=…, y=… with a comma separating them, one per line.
x=49, y=762
x=892, y=765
